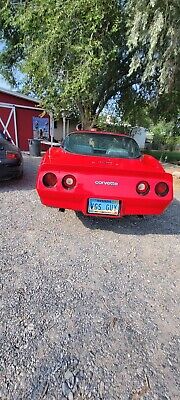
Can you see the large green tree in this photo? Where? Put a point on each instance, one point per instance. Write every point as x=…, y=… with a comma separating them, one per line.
x=73, y=53
x=76, y=55
x=154, y=36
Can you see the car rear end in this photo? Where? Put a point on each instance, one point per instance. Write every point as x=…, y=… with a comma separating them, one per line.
x=11, y=165
x=104, y=187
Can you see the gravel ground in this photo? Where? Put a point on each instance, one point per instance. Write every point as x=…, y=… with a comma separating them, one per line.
x=90, y=307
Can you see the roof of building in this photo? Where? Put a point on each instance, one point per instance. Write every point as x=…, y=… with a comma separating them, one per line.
x=22, y=96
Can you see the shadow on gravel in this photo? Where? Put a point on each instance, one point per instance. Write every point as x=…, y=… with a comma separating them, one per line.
x=28, y=181
x=165, y=224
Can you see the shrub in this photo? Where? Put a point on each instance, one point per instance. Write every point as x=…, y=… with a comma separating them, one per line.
x=163, y=136
x=167, y=156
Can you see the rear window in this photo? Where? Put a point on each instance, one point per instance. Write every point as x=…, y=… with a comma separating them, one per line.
x=106, y=145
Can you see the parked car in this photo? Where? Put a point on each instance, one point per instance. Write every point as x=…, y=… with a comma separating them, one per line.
x=11, y=161
x=103, y=174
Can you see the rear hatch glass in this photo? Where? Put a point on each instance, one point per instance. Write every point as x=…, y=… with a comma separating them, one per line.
x=106, y=145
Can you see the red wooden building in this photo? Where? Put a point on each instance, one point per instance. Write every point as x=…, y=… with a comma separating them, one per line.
x=22, y=119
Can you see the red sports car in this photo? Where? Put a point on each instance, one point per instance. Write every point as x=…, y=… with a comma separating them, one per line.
x=103, y=174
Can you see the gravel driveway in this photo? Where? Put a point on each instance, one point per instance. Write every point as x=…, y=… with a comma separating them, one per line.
x=90, y=307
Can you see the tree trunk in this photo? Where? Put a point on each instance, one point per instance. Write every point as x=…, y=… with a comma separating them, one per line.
x=88, y=119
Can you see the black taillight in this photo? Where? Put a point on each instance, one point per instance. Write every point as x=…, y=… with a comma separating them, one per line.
x=49, y=179
x=162, y=189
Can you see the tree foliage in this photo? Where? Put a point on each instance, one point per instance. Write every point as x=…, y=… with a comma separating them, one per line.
x=137, y=107
x=76, y=55
x=73, y=53
x=164, y=136
x=154, y=35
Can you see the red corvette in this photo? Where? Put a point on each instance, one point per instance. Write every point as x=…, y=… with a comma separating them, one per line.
x=103, y=174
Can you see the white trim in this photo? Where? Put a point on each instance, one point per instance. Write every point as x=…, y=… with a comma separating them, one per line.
x=5, y=126
x=49, y=143
x=15, y=126
x=51, y=127
x=8, y=105
x=8, y=120
x=16, y=94
x=64, y=127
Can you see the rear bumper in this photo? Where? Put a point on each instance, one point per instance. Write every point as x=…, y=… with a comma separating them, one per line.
x=131, y=203
x=128, y=206
x=9, y=172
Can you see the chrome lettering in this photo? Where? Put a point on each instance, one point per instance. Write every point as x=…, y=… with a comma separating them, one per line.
x=106, y=183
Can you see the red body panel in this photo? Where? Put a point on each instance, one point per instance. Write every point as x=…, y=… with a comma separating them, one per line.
x=103, y=178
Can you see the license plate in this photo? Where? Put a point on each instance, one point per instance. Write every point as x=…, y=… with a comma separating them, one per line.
x=98, y=206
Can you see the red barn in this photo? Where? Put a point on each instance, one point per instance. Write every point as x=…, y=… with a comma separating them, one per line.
x=20, y=118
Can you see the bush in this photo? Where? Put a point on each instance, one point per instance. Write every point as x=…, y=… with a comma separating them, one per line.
x=164, y=137
x=167, y=156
